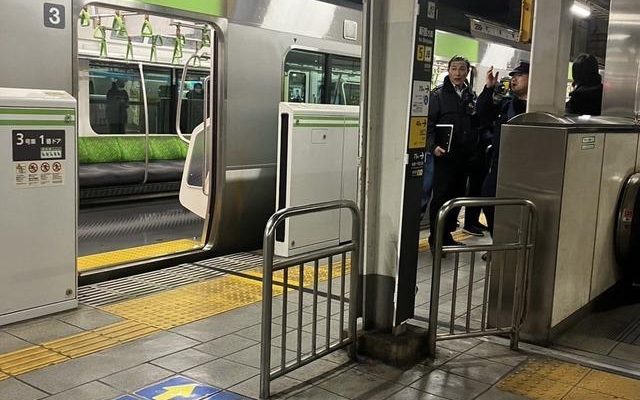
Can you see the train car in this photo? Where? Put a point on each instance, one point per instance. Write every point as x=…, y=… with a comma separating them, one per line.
x=124, y=61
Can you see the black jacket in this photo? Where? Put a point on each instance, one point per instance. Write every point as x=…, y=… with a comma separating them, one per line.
x=446, y=107
x=585, y=100
x=495, y=114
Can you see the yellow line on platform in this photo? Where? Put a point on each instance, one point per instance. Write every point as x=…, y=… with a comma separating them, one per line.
x=126, y=256
x=555, y=380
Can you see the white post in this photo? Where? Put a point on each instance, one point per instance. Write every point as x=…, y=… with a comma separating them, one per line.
x=389, y=45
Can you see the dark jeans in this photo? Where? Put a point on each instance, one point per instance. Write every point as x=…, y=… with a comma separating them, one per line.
x=476, y=173
x=427, y=182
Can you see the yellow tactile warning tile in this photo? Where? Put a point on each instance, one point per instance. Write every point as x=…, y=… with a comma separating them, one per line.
x=459, y=236
x=80, y=345
x=578, y=393
x=99, y=339
x=125, y=256
x=190, y=303
x=152, y=313
x=126, y=331
x=3, y=376
x=29, y=359
x=555, y=380
x=613, y=385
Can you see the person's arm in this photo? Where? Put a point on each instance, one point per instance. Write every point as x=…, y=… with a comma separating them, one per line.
x=434, y=117
x=486, y=109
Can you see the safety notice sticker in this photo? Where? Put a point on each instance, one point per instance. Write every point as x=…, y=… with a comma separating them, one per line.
x=33, y=174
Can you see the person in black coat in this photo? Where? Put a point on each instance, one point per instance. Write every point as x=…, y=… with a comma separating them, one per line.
x=497, y=112
x=453, y=103
x=586, y=97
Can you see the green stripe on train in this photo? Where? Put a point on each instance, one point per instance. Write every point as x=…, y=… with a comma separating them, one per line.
x=22, y=122
x=321, y=125
x=210, y=7
x=37, y=111
x=325, y=118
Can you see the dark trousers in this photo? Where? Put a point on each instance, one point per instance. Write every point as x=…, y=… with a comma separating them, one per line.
x=489, y=189
x=449, y=181
x=476, y=173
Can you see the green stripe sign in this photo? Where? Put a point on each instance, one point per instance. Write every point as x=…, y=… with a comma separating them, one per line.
x=210, y=7
x=37, y=111
x=50, y=116
x=326, y=121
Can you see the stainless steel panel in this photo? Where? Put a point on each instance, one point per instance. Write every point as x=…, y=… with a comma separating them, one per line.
x=532, y=161
x=254, y=88
x=577, y=224
x=34, y=56
x=311, y=18
x=618, y=164
x=623, y=60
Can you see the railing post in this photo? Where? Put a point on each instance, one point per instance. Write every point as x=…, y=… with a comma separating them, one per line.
x=524, y=246
x=354, y=291
x=267, y=288
x=267, y=303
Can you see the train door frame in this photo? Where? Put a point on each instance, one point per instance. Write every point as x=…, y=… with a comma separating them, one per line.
x=217, y=109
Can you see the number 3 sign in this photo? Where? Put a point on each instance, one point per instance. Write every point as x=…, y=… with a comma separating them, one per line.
x=54, y=15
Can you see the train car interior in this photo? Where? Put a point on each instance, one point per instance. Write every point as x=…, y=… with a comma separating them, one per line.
x=135, y=123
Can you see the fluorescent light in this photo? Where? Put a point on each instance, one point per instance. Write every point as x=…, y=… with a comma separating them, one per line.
x=580, y=10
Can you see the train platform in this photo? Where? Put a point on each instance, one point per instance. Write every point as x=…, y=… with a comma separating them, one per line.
x=193, y=332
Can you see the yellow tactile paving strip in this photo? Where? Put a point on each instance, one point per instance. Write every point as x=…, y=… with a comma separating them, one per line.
x=54, y=352
x=126, y=256
x=153, y=313
x=557, y=380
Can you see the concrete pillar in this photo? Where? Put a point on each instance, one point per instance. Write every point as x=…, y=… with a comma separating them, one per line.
x=550, y=52
x=389, y=55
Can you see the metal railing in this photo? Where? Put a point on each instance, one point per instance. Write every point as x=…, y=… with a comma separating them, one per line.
x=316, y=351
x=522, y=246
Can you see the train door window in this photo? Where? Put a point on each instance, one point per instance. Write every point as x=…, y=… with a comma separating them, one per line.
x=193, y=100
x=159, y=99
x=345, y=80
x=304, y=74
x=115, y=99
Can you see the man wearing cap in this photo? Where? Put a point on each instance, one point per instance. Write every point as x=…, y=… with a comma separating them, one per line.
x=497, y=113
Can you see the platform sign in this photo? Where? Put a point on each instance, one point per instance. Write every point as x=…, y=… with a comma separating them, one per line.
x=416, y=156
x=177, y=388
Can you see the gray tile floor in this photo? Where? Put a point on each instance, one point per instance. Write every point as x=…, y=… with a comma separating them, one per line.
x=223, y=351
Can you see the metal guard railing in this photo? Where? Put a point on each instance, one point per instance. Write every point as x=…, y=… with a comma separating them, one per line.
x=267, y=374
x=523, y=246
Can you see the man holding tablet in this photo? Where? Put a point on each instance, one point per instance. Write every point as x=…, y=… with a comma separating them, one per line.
x=453, y=139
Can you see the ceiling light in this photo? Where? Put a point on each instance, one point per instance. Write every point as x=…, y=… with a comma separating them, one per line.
x=580, y=10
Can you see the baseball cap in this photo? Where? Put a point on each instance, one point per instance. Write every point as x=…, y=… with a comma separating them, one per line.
x=522, y=68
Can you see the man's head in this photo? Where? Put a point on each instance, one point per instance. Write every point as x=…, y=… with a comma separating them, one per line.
x=459, y=68
x=198, y=87
x=520, y=80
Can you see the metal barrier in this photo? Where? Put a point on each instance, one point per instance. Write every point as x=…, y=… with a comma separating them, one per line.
x=523, y=246
x=267, y=374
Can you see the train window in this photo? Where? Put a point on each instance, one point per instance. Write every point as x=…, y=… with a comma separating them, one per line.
x=115, y=99
x=345, y=80
x=116, y=103
x=304, y=74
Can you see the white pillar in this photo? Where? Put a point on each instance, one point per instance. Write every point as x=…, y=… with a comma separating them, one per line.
x=550, y=52
x=389, y=55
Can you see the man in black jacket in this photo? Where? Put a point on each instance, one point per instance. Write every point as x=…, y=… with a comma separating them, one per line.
x=497, y=112
x=456, y=149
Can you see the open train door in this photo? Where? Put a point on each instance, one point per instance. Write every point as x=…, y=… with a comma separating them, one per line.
x=196, y=178
x=627, y=235
x=195, y=187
